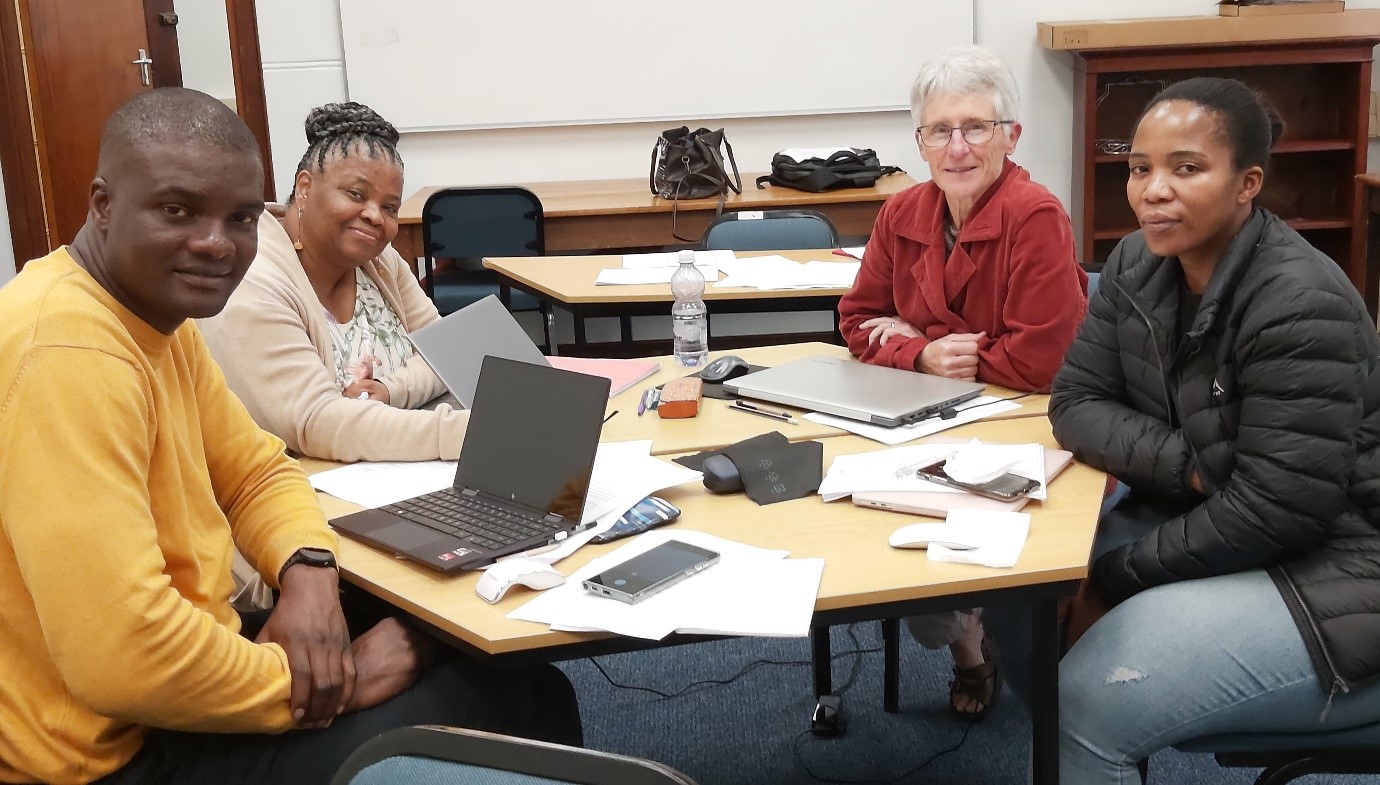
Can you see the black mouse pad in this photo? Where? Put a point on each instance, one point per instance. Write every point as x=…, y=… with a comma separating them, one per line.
x=716, y=389
x=773, y=469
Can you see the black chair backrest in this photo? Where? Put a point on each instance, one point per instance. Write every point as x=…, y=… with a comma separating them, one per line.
x=467, y=224
x=770, y=230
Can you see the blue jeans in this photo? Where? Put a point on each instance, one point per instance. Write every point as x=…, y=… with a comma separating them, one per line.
x=1178, y=662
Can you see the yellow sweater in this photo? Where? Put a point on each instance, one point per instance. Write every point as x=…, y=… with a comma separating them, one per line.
x=126, y=468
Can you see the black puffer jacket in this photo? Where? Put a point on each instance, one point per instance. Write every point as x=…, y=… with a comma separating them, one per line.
x=1263, y=398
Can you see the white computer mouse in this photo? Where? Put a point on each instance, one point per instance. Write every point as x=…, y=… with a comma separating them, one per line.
x=501, y=576
x=922, y=535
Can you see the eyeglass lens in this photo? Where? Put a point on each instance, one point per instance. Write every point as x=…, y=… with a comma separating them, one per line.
x=976, y=132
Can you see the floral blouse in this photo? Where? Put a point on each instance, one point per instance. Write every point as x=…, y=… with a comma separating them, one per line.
x=373, y=343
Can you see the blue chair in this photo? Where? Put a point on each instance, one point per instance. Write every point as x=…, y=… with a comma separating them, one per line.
x=770, y=230
x=436, y=755
x=464, y=225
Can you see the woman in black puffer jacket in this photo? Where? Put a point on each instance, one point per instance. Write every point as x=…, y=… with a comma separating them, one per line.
x=1221, y=374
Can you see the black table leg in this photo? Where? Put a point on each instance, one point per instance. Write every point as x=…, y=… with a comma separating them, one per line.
x=891, y=665
x=1044, y=705
x=820, y=653
x=581, y=345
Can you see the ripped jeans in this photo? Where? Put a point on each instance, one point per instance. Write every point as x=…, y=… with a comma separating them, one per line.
x=1178, y=662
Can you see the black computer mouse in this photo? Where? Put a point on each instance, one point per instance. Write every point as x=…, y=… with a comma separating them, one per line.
x=730, y=366
x=721, y=475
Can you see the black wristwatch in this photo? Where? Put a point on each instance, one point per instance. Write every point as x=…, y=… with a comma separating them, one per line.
x=312, y=557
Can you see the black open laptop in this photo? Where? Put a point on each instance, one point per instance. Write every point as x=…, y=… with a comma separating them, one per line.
x=521, y=480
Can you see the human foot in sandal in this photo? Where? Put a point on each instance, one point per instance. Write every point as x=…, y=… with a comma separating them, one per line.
x=977, y=682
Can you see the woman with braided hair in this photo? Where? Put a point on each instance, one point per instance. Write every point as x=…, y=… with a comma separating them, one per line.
x=315, y=339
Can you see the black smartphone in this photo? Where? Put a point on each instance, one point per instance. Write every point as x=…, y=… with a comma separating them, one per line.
x=650, y=512
x=1006, y=488
x=651, y=571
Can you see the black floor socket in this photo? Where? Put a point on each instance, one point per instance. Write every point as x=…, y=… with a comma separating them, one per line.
x=828, y=717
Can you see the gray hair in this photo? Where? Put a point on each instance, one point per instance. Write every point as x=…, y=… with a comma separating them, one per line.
x=967, y=70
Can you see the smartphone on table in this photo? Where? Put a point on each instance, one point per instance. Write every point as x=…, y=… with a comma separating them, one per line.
x=1006, y=487
x=646, y=514
x=651, y=571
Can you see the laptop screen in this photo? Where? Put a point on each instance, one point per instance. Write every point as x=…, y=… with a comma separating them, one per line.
x=532, y=435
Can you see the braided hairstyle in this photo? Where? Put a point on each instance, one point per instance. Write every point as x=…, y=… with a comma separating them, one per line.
x=346, y=128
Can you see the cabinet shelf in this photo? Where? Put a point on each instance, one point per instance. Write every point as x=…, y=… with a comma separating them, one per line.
x=1285, y=147
x=1320, y=88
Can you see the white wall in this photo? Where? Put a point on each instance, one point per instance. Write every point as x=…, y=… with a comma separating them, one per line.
x=203, y=40
x=303, y=67
x=6, y=245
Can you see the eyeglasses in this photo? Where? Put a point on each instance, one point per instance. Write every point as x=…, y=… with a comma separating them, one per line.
x=974, y=132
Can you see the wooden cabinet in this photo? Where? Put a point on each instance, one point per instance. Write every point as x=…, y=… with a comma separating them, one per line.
x=1320, y=87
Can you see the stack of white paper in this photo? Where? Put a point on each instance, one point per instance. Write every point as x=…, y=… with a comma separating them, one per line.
x=894, y=469
x=641, y=261
x=751, y=591
x=631, y=276
x=778, y=272
x=969, y=411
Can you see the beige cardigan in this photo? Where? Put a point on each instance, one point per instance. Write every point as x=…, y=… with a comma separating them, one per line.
x=274, y=344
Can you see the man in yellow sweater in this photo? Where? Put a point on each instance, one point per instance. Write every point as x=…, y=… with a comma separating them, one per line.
x=128, y=476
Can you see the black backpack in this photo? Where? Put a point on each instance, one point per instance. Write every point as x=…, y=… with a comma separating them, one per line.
x=851, y=168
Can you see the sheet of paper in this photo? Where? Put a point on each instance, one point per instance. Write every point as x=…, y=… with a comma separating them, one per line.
x=782, y=595
x=618, y=276
x=894, y=469
x=969, y=411
x=672, y=259
x=376, y=484
x=624, y=473
x=855, y=251
x=1003, y=536
x=884, y=470
x=778, y=272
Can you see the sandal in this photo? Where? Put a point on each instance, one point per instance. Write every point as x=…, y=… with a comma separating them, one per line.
x=980, y=683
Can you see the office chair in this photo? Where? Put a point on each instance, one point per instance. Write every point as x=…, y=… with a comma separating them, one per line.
x=774, y=230
x=436, y=755
x=1287, y=756
x=771, y=230
x=467, y=224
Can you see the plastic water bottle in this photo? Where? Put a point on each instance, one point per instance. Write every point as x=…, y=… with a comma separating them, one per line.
x=689, y=317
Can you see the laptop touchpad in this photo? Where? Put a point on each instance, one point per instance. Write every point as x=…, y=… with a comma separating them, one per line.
x=405, y=535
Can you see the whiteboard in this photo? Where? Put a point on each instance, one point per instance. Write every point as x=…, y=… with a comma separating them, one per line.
x=433, y=65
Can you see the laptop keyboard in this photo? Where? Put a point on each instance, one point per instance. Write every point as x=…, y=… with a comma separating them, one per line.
x=485, y=524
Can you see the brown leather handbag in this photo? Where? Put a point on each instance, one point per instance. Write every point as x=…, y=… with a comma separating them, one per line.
x=690, y=165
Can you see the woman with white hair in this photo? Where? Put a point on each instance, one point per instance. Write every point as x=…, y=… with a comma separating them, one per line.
x=971, y=275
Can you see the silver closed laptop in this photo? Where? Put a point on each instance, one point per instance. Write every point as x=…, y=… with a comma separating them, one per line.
x=455, y=345
x=856, y=390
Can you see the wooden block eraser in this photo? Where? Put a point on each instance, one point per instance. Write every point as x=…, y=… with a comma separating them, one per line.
x=680, y=398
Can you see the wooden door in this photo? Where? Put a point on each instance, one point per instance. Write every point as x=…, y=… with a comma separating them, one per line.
x=81, y=65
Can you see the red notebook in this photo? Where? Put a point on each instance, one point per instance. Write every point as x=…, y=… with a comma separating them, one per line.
x=623, y=373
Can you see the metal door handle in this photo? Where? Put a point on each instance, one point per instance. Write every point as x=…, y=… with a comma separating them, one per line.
x=145, y=62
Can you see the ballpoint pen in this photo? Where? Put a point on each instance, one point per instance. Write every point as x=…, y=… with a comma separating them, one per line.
x=782, y=416
x=645, y=401
x=756, y=408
